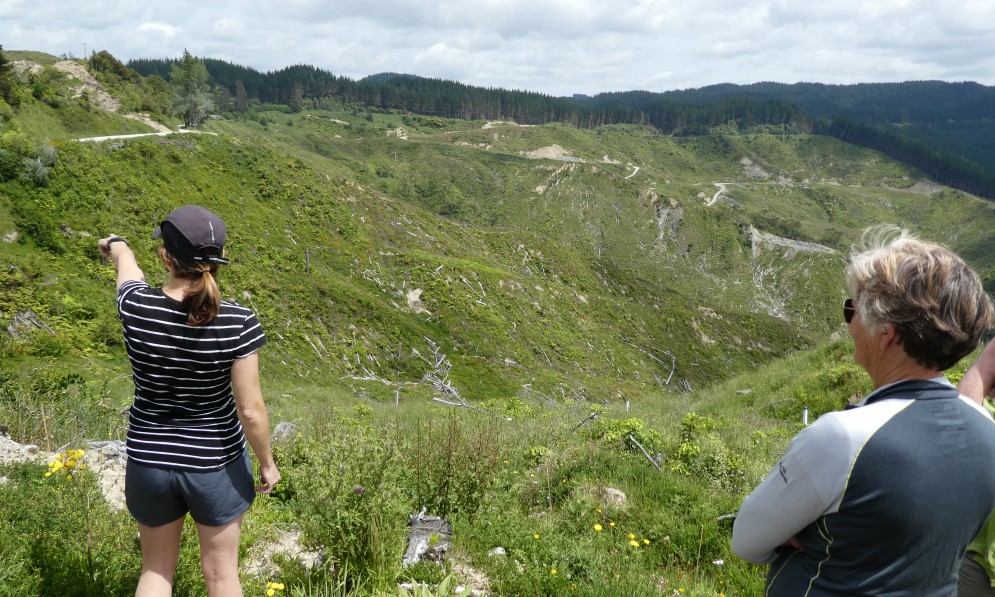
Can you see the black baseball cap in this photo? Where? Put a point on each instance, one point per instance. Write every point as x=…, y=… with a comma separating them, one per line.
x=193, y=234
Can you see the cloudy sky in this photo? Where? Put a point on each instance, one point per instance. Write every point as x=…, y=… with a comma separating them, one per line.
x=558, y=47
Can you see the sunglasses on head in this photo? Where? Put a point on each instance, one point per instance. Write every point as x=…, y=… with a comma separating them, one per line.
x=848, y=310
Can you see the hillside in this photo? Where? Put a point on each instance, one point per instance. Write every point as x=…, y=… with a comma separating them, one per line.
x=599, y=263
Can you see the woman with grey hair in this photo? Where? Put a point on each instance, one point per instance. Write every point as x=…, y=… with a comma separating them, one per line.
x=883, y=498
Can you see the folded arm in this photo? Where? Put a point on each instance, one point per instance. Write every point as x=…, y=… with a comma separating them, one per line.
x=806, y=483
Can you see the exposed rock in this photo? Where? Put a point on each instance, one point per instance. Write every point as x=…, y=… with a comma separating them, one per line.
x=11, y=451
x=262, y=557
x=24, y=323
x=752, y=170
x=415, y=302
x=19, y=67
x=614, y=498
x=552, y=152
x=284, y=431
x=108, y=460
x=497, y=552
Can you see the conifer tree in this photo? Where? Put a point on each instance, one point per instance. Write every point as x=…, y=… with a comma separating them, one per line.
x=193, y=99
x=241, y=97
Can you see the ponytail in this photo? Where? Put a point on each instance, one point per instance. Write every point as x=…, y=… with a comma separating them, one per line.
x=202, y=297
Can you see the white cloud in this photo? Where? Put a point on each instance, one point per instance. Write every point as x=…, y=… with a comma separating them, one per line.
x=553, y=46
x=167, y=31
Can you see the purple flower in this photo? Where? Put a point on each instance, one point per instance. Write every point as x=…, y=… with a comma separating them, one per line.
x=358, y=490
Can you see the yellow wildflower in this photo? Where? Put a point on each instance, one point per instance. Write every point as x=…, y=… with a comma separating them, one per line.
x=631, y=536
x=553, y=571
x=598, y=527
x=535, y=536
x=646, y=541
x=270, y=592
x=634, y=543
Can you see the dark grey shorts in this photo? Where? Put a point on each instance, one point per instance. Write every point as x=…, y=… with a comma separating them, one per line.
x=156, y=496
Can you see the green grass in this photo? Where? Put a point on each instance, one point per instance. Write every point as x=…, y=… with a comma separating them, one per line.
x=500, y=477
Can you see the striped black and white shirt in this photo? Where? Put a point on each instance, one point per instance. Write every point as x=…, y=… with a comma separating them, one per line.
x=184, y=413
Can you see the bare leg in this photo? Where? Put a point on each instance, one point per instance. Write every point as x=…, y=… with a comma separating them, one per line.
x=160, y=552
x=219, y=558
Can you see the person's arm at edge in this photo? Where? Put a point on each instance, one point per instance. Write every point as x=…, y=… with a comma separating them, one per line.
x=255, y=420
x=124, y=260
x=979, y=378
x=776, y=510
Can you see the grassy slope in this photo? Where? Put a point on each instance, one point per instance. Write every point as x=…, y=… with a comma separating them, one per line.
x=532, y=270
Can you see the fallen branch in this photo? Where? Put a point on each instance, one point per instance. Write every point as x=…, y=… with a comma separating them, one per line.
x=465, y=405
x=593, y=415
x=645, y=453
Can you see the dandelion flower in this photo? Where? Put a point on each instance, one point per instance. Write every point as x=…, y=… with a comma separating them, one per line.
x=612, y=524
x=646, y=541
x=631, y=536
x=634, y=543
x=535, y=536
x=599, y=510
x=270, y=592
x=48, y=474
x=553, y=571
x=598, y=527
x=279, y=586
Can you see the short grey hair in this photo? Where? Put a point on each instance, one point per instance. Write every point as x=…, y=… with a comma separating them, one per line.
x=935, y=301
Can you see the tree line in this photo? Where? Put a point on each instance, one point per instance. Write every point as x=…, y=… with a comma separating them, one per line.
x=894, y=118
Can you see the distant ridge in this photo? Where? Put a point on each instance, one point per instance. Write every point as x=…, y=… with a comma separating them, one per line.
x=944, y=129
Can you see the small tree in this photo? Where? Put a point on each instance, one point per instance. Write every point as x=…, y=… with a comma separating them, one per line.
x=192, y=94
x=241, y=97
x=6, y=83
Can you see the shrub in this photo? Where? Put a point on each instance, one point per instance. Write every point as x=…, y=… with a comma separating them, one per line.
x=33, y=171
x=620, y=430
x=701, y=453
x=14, y=147
x=453, y=469
x=349, y=498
